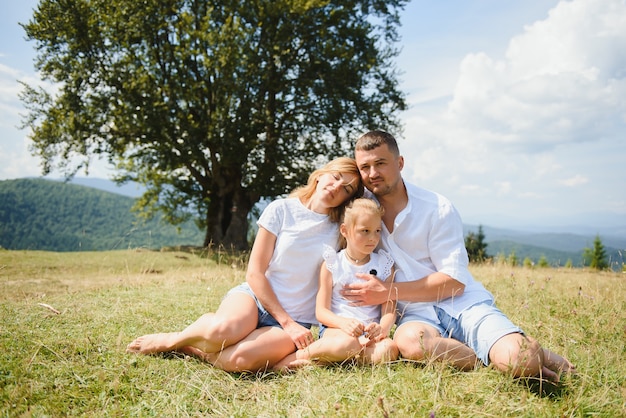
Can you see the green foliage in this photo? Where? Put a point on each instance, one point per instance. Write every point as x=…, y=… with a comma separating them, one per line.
x=210, y=105
x=512, y=260
x=596, y=257
x=73, y=363
x=535, y=253
x=476, y=246
x=528, y=263
x=40, y=214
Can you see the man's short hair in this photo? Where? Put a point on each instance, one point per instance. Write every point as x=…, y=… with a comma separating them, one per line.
x=374, y=139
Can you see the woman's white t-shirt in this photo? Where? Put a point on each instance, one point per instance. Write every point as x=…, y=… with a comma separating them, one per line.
x=293, y=271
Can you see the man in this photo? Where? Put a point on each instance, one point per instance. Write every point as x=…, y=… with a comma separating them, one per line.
x=437, y=296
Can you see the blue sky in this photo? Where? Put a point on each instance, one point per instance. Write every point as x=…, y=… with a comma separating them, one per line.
x=517, y=108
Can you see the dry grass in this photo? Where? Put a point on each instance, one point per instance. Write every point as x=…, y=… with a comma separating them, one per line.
x=73, y=363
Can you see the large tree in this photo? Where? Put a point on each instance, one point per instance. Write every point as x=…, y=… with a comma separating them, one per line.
x=210, y=104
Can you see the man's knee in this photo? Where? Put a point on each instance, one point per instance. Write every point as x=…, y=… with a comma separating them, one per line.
x=414, y=341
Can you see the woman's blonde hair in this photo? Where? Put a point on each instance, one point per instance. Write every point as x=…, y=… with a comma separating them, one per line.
x=338, y=165
x=356, y=207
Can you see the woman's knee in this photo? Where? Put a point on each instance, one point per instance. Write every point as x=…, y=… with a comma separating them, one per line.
x=225, y=331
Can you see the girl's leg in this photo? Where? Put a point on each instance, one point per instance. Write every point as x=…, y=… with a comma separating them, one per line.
x=384, y=351
x=335, y=346
x=236, y=317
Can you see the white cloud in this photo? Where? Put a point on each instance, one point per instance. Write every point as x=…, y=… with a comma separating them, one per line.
x=563, y=80
x=574, y=181
x=517, y=130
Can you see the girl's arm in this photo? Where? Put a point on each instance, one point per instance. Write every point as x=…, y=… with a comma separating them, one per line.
x=260, y=257
x=322, y=307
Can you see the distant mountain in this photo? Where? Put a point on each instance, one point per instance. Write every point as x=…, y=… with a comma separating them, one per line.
x=557, y=248
x=94, y=214
x=39, y=214
x=130, y=189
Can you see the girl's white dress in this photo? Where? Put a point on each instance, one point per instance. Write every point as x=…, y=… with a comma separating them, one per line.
x=344, y=272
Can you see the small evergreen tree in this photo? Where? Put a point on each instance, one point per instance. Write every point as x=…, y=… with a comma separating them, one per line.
x=476, y=246
x=528, y=262
x=513, y=260
x=543, y=261
x=596, y=257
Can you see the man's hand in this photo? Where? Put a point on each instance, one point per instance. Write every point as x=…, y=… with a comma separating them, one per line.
x=369, y=291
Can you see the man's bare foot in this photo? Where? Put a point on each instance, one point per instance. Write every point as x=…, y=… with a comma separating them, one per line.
x=152, y=343
x=554, y=366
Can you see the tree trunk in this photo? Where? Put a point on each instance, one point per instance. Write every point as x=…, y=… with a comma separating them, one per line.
x=236, y=233
x=227, y=219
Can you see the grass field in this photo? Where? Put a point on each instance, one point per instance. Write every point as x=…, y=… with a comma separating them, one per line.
x=67, y=317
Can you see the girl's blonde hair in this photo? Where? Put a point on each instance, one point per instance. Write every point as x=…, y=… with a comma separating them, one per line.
x=338, y=165
x=356, y=207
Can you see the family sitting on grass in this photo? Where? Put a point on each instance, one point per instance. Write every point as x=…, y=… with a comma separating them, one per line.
x=418, y=279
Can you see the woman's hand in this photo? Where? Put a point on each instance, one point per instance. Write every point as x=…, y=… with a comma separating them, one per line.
x=301, y=336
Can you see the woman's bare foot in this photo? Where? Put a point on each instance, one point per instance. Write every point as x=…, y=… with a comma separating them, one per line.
x=153, y=343
x=196, y=352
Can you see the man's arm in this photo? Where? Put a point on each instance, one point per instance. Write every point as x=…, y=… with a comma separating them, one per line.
x=432, y=288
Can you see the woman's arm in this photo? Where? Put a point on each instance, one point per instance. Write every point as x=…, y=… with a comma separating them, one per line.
x=260, y=257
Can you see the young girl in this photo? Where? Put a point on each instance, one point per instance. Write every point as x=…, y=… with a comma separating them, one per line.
x=359, y=333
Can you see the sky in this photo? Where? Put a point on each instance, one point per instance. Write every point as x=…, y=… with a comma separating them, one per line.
x=517, y=108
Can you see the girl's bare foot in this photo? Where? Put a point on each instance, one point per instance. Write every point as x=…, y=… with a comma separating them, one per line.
x=284, y=366
x=152, y=343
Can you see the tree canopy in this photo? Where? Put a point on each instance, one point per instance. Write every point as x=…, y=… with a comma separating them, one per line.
x=210, y=104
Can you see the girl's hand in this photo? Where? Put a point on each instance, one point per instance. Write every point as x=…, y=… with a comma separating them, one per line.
x=301, y=336
x=374, y=332
x=352, y=327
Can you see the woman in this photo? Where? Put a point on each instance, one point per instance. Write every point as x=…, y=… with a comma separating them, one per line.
x=263, y=320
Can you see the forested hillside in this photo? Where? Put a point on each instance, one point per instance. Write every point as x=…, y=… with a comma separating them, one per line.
x=37, y=214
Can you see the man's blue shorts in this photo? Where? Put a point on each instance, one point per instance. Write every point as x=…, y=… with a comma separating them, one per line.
x=480, y=326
